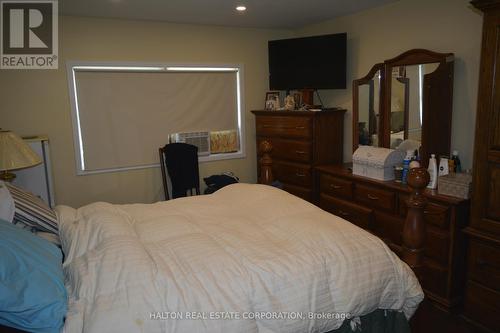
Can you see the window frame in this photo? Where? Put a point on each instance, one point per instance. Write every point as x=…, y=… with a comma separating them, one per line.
x=73, y=66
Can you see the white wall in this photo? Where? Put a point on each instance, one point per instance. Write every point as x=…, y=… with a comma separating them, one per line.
x=381, y=33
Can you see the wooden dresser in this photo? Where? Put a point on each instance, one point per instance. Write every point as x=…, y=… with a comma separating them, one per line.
x=301, y=140
x=380, y=207
x=482, y=292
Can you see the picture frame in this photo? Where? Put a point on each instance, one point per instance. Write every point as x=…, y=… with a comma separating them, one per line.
x=272, y=100
x=297, y=96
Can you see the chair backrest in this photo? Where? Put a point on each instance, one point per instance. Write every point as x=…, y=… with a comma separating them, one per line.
x=180, y=160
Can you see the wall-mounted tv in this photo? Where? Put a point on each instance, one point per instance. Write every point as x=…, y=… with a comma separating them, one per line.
x=317, y=62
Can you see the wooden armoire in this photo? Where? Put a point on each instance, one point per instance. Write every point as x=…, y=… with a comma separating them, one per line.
x=482, y=293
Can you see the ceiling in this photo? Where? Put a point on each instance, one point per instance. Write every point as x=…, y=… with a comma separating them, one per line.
x=286, y=14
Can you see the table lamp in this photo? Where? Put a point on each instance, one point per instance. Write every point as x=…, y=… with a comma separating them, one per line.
x=15, y=154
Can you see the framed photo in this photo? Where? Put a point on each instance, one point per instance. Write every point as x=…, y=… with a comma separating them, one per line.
x=272, y=100
x=297, y=97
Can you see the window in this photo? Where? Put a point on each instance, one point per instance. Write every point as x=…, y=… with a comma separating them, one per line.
x=122, y=113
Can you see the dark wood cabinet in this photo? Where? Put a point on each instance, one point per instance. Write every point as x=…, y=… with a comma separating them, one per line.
x=482, y=292
x=380, y=207
x=301, y=140
x=482, y=295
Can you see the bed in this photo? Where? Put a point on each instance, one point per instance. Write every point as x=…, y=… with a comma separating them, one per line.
x=248, y=258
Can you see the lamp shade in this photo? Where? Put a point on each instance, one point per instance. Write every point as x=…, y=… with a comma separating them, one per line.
x=15, y=153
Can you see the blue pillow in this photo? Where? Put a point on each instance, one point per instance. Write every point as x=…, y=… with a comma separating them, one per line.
x=32, y=293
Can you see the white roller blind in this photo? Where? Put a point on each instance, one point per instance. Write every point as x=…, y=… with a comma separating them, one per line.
x=125, y=116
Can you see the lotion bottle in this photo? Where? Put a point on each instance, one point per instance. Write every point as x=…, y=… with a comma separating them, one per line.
x=406, y=168
x=433, y=172
x=443, y=166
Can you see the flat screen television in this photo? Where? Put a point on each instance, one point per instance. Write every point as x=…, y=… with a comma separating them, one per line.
x=317, y=62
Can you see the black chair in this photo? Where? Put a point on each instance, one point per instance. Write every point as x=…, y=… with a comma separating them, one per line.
x=180, y=160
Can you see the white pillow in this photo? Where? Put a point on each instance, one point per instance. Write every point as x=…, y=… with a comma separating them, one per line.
x=7, y=206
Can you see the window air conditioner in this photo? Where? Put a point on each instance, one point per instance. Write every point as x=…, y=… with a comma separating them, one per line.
x=198, y=139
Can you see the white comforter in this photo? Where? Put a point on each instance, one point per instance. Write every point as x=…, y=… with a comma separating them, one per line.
x=249, y=258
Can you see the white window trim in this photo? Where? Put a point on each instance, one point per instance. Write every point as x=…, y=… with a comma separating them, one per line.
x=73, y=66
x=421, y=91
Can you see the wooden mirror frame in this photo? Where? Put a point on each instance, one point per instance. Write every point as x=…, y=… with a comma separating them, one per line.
x=437, y=103
x=355, y=102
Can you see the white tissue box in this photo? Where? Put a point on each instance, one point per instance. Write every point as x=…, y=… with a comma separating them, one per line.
x=376, y=163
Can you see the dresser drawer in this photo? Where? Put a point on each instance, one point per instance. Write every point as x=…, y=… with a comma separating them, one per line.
x=299, y=151
x=358, y=215
x=390, y=228
x=292, y=127
x=293, y=173
x=336, y=187
x=482, y=305
x=434, y=213
x=301, y=192
x=434, y=278
x=484, y=264
x=437, y=245
x=375, y=197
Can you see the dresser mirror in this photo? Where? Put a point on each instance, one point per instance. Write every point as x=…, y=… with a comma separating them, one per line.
x=407, y=100
x=367, y=107
x=414, y=103
x=399, y=109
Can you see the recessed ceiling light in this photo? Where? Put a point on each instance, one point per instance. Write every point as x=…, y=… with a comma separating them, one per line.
x=241, y=8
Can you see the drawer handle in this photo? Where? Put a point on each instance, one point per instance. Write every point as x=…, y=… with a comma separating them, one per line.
x=300, y=127
x=300, y=152
x=341, y=212
x=299, y=174
x=372, y=197
x=335, y=187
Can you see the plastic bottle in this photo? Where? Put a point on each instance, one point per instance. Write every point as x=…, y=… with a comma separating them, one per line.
x=443, y=166
x=433, y=172
x=410, y=153
x=414, y=160
x=406, y=169
x=456, y=159
x=451, y=165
